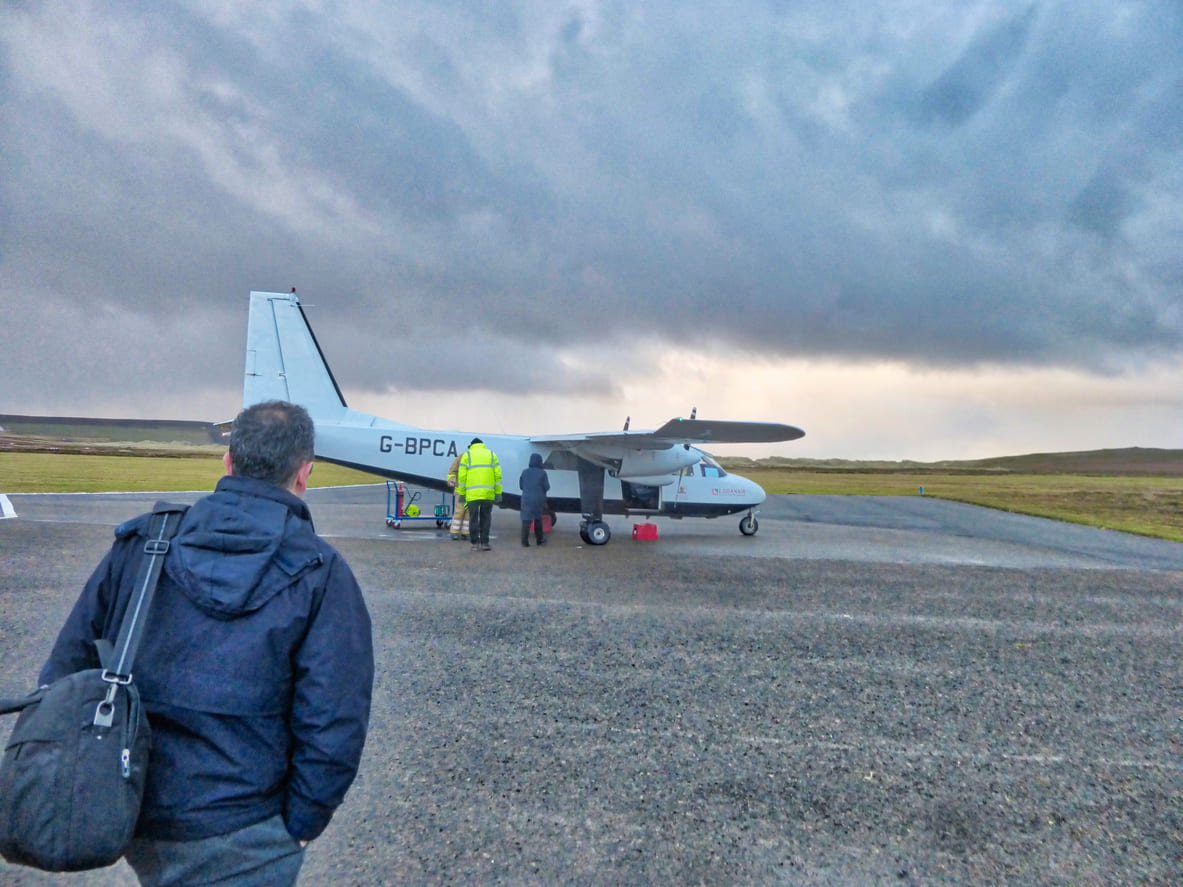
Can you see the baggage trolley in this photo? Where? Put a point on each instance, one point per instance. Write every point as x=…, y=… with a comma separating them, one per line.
x=400, y=507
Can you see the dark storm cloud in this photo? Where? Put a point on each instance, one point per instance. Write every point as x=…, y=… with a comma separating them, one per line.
x=994, y=182
x=978, y=73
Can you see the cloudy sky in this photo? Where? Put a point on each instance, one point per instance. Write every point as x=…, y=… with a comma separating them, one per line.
x=916, y=229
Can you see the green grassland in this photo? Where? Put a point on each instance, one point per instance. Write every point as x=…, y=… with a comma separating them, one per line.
x=1149, y=505
x=72, y=473
x=1135, y=490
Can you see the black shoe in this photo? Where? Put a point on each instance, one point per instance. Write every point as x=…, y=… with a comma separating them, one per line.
x=526, y=544
x=541, y=541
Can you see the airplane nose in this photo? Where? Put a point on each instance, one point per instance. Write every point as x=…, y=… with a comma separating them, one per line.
x=755, y=493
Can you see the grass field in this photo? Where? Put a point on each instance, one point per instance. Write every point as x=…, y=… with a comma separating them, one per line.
x=1149, y=505
x=68, y=473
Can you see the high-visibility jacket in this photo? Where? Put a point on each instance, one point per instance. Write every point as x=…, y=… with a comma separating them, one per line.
x=479, y=474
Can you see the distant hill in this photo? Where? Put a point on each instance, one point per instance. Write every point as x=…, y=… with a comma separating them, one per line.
x=1131, y=461
x=143, y=436
x=72, y=434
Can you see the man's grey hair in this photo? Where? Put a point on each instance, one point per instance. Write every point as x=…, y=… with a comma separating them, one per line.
x=271, y=440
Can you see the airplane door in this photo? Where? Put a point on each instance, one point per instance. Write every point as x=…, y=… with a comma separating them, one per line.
x=681, y=487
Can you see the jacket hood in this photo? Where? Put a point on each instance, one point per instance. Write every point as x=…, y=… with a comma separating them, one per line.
x=535, y=460
x=240, y=546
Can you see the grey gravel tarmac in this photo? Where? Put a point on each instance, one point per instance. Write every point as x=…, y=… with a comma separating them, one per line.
x=682, y=712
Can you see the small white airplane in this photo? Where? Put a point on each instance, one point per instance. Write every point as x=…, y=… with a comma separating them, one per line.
x=617, y=472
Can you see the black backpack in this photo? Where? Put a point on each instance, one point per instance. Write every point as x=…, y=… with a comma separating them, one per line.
x=73, y=772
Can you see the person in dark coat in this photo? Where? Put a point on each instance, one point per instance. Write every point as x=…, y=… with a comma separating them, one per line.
x=534, y=484
x=256, y=667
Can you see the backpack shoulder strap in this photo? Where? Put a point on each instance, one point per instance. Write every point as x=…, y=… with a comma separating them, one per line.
x=166, y=518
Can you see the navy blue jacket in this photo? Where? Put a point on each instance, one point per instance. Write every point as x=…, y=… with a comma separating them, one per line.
x=256, y=665
x=534, y=484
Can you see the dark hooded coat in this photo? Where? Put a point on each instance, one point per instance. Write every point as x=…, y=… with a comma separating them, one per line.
x=256, y=665
x=534, y=484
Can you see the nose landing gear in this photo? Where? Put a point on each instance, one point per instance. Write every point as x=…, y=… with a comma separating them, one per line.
x=749, y=525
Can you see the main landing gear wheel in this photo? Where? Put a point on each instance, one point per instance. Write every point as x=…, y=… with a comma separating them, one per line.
x=595, y=532
x=749, y=525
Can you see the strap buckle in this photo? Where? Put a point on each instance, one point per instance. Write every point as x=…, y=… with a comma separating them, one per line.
x=104, y=713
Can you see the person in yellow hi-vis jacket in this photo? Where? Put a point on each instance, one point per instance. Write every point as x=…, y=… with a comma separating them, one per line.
x=459, y=526
x=478, y=480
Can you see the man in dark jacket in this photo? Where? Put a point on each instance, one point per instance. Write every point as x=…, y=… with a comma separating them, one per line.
x=535, y=485
x=256, y=667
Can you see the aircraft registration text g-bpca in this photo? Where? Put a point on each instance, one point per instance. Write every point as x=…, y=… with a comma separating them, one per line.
x=419, y=446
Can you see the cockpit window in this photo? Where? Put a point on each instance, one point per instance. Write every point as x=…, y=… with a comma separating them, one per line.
x=706, y=467
x=711, y=468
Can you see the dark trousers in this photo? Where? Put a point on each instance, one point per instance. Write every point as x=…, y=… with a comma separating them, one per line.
x=537, y=522
x=480, y=518
x=261, y=855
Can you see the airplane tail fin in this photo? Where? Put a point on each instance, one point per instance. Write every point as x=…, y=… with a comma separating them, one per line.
x=284, y=360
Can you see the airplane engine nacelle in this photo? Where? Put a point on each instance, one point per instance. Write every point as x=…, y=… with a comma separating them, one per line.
x=647, y=464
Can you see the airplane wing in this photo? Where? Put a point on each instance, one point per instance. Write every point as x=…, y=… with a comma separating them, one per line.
x=680, y=431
